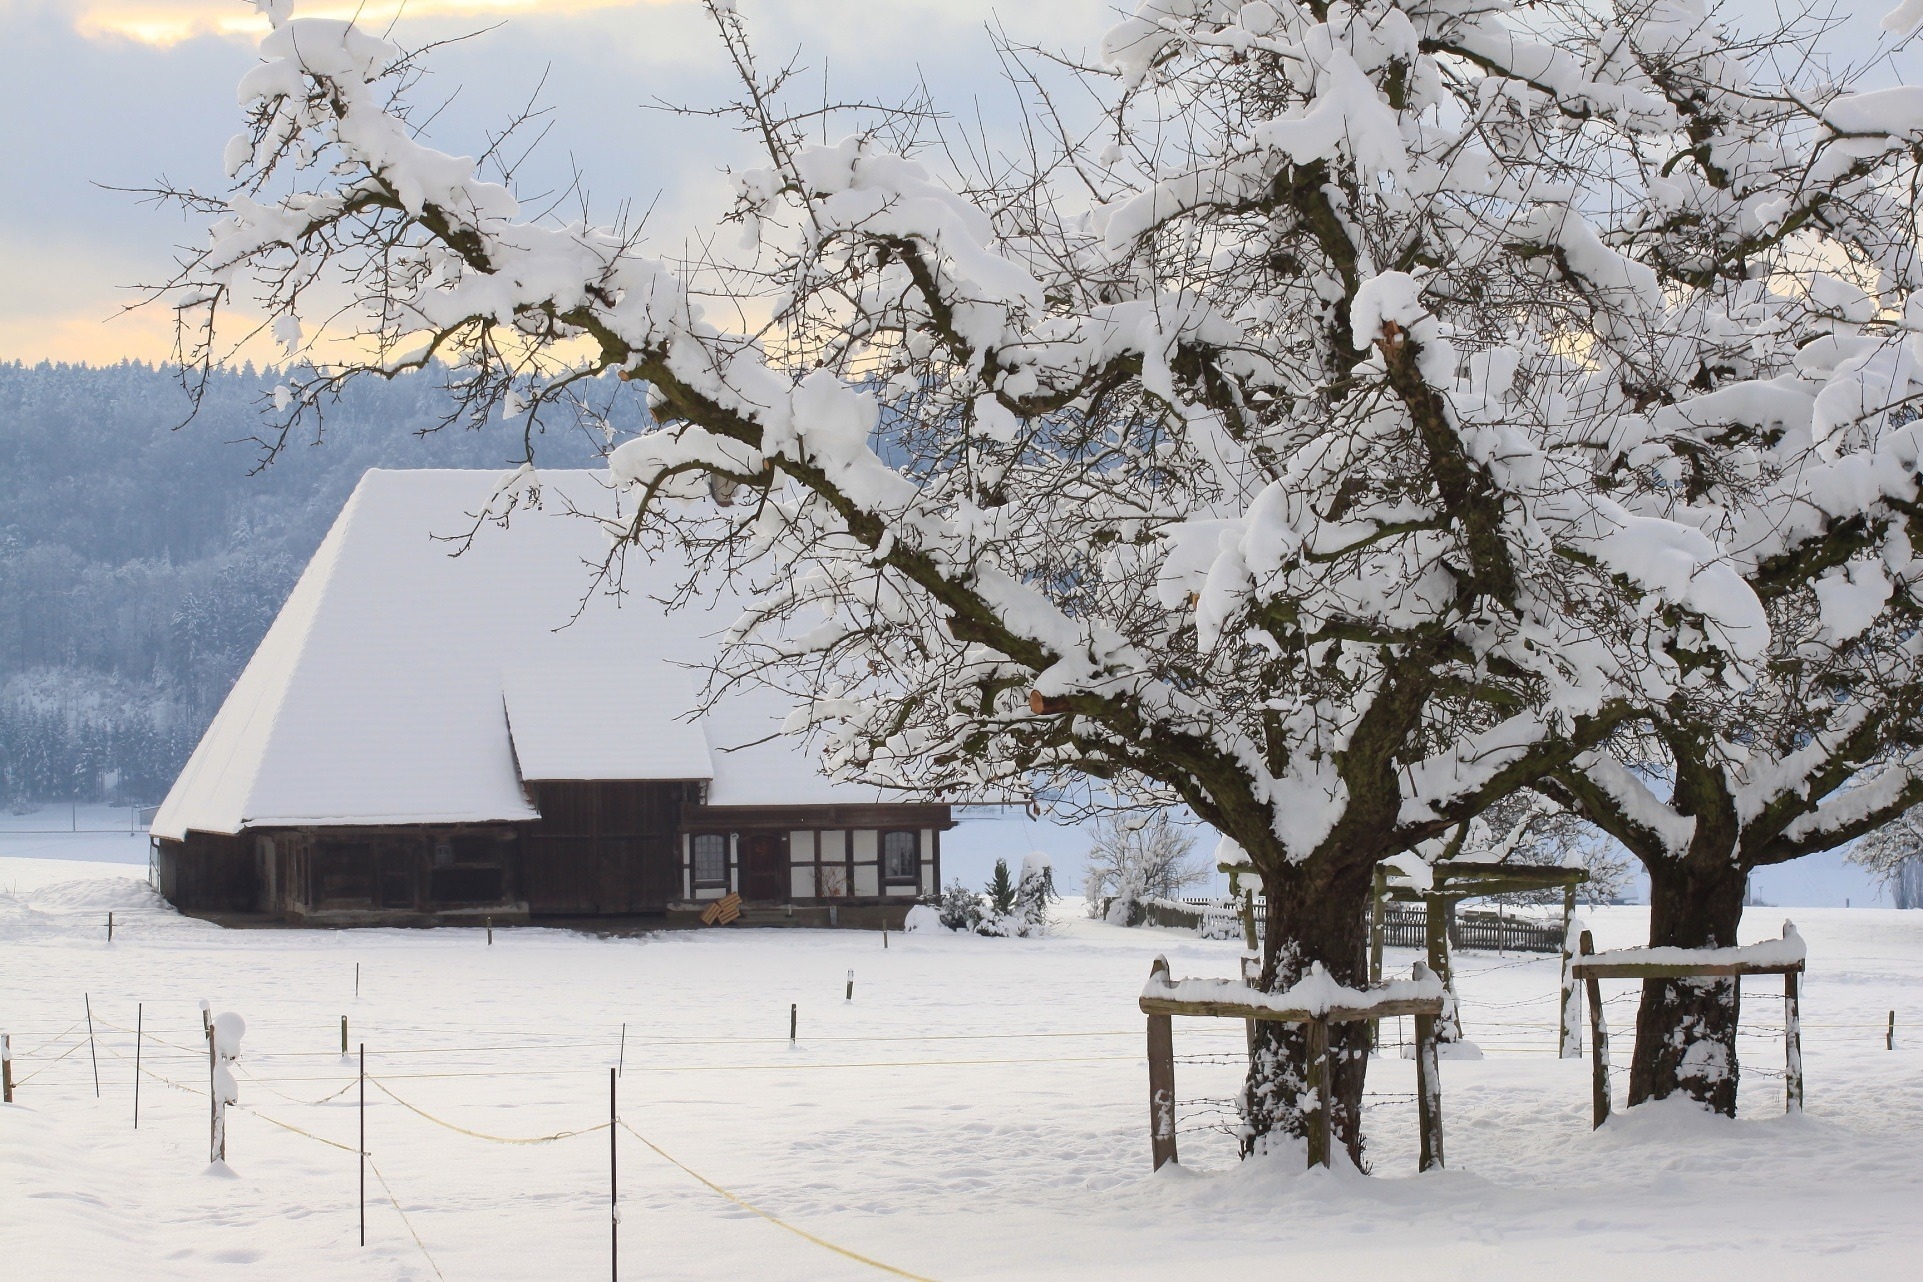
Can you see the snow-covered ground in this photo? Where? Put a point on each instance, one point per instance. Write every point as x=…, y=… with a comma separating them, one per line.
x=978, y=1111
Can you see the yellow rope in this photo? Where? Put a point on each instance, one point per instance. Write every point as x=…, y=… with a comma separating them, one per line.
x=50, y=1041
x=483, y=1135
x=312, y=1103
x=345, y=1148
x=775, y=1220
x=22, y=1081
x=395, y=1202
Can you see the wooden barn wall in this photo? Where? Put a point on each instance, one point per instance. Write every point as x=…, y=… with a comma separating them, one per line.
x=209, y=872
x=400, y=869
x=603, y=848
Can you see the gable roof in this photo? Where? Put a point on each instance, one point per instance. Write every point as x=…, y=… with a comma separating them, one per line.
x=403, y=684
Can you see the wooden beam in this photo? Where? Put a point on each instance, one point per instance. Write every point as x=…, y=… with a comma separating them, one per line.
x=1334, y=1015
x=1680, y=970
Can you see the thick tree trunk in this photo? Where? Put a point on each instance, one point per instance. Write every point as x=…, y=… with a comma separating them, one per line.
x=1686, y=1028
x=1315, y=914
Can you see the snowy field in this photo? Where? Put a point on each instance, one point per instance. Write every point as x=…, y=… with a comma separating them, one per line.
x=978, y=1111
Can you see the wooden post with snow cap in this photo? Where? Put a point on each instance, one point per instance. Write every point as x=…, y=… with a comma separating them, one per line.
x=1792, y=1035
x=1598, y=1039
x=1428, y=1085
x=343, y=1037
x=1317, y=1034
x=6, y=1068
x=223, y=1045
x=1161, y=1078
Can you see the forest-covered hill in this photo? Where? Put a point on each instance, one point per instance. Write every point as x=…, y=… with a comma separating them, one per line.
x=141, y=559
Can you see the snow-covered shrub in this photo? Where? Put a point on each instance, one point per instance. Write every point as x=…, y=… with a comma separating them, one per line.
x=959, y=907
x=922, y=919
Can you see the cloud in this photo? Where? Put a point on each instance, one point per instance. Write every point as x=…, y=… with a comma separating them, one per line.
x=163, y=23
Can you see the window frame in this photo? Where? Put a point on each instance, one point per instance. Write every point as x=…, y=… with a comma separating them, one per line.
x=913, y=876
x=694, y=861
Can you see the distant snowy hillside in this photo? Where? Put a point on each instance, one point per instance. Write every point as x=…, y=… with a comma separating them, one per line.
x=140, y=560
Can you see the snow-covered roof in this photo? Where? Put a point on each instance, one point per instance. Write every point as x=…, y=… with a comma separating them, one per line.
x=402, y=684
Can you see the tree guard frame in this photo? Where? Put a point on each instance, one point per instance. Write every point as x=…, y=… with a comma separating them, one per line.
x=1591, y=967
x=1160, y=1011
x=1453, y=882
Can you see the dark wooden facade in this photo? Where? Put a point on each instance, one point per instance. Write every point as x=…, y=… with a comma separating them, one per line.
x=599, y=849
x=603, y=849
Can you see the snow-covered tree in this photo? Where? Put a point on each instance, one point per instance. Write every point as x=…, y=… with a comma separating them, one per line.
x=1764, y=393
x=1265, y=454
x=1137, y=857
x=1034, y=892
x=1894, y=855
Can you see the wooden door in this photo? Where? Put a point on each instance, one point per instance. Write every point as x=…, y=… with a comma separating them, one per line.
x=764, y=874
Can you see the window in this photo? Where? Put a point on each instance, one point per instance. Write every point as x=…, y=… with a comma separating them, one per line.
x=901, y=856
x=710, y=859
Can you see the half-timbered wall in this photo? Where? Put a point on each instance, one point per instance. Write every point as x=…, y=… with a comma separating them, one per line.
x=824, y=854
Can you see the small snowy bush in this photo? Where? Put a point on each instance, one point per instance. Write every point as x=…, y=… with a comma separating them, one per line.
x=959, y=907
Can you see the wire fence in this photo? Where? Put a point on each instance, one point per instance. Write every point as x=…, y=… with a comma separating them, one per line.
x=477, y=1052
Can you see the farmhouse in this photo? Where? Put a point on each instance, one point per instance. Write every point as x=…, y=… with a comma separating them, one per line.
x=425, y=736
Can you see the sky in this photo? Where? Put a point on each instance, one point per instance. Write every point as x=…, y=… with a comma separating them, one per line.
x=105, y=94
x=100, y=95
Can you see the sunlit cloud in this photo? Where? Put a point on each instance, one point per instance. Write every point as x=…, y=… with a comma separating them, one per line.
x=168, y=22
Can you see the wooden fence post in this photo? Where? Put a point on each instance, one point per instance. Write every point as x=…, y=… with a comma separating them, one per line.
x=1428, y=1086
x=1889, y=1038
x=1435, y=925
x=1161, y=1078
x=1378, y=891
x=1251, y=975
x=1598, y=1038
x=6, y=1068
x=92, y=1054
x=1318, y=1038
x=1792, y=1047
x=614, y=1185
x=343, y=1037
x=1570, y=1025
